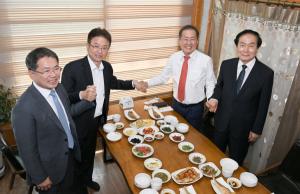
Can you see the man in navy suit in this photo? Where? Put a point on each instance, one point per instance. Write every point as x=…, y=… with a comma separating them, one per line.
x=241, y=97
x=89, y=77
x=44, y=129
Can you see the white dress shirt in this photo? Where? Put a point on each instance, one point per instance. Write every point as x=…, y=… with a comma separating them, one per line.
x=98, y=80
x=200, y=74
x=249, y=65
x=46, y=94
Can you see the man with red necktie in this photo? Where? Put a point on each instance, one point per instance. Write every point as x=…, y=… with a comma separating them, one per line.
x=192, y=75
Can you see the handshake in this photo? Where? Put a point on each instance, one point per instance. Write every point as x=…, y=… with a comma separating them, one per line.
x=141, y=86
x=90, y=93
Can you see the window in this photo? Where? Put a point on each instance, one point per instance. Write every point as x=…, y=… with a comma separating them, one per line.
x=144, y=35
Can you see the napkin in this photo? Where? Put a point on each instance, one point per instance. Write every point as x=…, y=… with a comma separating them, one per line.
x=154, y=100
x=223, y=182
x=110, y=117
x=187, y=190
x=165, y=109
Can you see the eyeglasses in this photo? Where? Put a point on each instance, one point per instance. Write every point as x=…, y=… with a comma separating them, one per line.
x=96, y=47
x=48, y=72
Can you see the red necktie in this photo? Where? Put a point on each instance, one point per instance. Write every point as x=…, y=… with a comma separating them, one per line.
x=181, y=86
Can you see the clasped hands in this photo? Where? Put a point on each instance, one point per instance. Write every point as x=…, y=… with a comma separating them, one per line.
x=212, y=105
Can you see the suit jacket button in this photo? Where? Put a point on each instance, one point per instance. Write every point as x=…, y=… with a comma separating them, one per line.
x=66, y=153
x=66, y=139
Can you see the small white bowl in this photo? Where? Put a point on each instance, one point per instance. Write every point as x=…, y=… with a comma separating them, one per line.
x=234, y=182
x=109, y=127
x=114, y=136
x=184, y=145
x=182, y=128
x=135, y=139
x=159, y=135
x=167, y=190
x=149, y=138
x=197, y=155
x=172, y=120
x=119, y=125
x=142, y=180
x=148, y=191
x=229, y=163
x=248, y=179
x=163, y=127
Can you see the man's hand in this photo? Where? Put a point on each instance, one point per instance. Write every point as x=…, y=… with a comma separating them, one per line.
x=140, y=85
x=89, y=93
x=212, y=105
x=252, y=137
x=45, y=185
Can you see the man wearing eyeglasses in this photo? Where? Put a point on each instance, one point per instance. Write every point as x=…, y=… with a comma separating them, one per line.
x=44, y=129
x=87, y=78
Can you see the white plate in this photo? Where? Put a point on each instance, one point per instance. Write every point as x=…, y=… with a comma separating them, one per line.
x=148, y=191
x=176, y=135
x=155, y=113
x=114, y=136
x=131, y=118
x=142, y=123
x=183, y=144
x=198, y=173
x=153, y=163
x=164, y=171
x=119, y=125
x=162, y=128
x=137, y=150
x=137, y=137
x=211, y=164
x=197, y=154
x=130, y=131
x=148, y=130
x=142, y=180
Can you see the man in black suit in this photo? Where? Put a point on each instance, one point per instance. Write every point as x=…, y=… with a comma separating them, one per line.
x=44, y=129
x=84, y=79
x=241, y=97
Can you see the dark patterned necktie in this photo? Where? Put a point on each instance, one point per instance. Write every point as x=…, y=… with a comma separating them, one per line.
x=240, y=79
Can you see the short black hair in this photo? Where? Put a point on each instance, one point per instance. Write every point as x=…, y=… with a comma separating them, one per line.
x=189, y=27
x=99, y=32
x=36, y=54
x=247, y=31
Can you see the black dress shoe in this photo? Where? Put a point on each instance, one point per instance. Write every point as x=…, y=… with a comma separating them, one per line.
x=93, y=185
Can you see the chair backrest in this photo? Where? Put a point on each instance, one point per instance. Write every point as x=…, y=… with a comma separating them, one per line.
x=12, y=158
x=291, y=164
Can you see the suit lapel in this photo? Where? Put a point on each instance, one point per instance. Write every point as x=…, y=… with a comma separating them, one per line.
x=87, y=72
x=45, y=107
x=105, y=76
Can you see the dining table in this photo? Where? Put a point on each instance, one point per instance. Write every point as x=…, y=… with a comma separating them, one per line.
x=168, y=152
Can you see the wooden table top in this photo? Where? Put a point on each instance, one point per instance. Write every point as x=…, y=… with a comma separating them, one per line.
x=167, y=151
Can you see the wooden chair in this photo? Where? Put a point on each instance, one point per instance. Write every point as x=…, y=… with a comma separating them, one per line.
x=14, y=162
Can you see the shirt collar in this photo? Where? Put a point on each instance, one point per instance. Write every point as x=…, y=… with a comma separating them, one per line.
x=45, y=92
x=249, y=65
x=191, y=55
x=93, y=65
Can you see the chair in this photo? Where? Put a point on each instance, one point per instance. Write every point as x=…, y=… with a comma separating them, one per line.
x=286, y=179
x=14, y=162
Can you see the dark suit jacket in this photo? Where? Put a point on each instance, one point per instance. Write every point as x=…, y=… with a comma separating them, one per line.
x=41, y=139
x=247, y=110
x=76, y=76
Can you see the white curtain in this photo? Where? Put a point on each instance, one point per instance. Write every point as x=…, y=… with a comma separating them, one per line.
x=279, y=28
